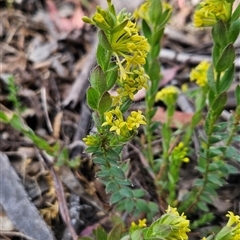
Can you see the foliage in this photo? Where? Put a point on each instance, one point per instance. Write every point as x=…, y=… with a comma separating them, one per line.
x=128, y=62
x=57, y=151
x=170, y=226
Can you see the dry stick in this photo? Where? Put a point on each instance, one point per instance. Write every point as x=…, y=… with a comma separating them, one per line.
x=187, y=57
x=15, y=234
x=45, y=110
x=60, y=194
x=78, y=89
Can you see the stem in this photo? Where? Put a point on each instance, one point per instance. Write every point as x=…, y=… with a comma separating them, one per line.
x=205, y=178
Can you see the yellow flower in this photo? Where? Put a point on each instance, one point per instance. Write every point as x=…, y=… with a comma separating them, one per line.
x=199, y=73
x=142, y=223
x=168, y=95
x=233, y=219
x=135, y=120
x=129, y=91
x=184, y=87
x=211, y=11
x=109, y=119
x=117, y=126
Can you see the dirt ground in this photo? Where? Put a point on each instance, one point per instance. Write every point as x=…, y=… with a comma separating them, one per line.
x=50, y=52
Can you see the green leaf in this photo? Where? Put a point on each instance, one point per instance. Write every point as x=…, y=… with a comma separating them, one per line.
x=236, y=139
x=111, y=75
x=198, y=182
x=211, y=78
x=205, y=197
x=226, y=58
x=220, y=34
x=120, y=26
x=155, y=73
x=127, y=192
x=139, y=193
x=16, y=122
x=146, y=30
x=137, y=235
x=203, y=206
x=153, y=207
x=142, y=205
x=103, y=57
x=125, y=182
x=156, y=38
x=125, y=106
x=216, y=51
x=155, y=12
x=98, y=80
x=116, y=197
x=215, y=139
x=215, y=179
x=115, y=233
x=155, y=50
x=236, y=14
x=219, y=102
x=103, y=174
x=99, y=160
x=232, y=153
x=197, y=117
x=129, y=205
x=210, y=188
x=102, y=38
x=165, y=17
x=220, y=127
x=214, y=151
x=92, y=98
x=4, y=117
x=113, y=154
x=234, y=30
x=227, y=79
x=105, y=103
x=100, y=233
x=111, y=187
x=237, y=94
x=117, y=172
x=232, y=169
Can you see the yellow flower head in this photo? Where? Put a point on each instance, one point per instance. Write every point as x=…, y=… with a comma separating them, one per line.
x=141, y=224
x=179, y=224
x=233, y=219
x=199, y=73
x=135, y=120
x=232, y=229
x=179, y=153
x=210, y=12
x=168, y=95
x=92, y=140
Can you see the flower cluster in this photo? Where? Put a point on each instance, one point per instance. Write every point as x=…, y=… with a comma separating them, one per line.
x=199, y=73
x=114, y=119
x=127, y=47
x=180, y=152
x=211, y=11
x=168, y=95
x=234, y=224
x=232, y=229
x=179, y=225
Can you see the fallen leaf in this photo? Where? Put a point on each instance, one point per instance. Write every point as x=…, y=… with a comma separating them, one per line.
x=179, y=118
